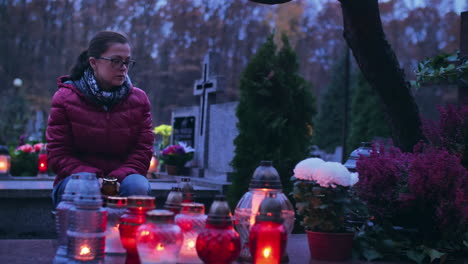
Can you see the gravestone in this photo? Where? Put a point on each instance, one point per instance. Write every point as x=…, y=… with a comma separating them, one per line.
x=206, y=88
x=183, y=129
x=35, y=126
x=214, y=125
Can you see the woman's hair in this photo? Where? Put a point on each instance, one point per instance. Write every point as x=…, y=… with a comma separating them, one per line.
x=97, y=46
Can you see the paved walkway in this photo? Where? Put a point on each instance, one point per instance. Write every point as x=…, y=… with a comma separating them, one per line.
x=42, y=251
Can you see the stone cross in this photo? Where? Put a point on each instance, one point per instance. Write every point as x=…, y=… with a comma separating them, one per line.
x=206, y=88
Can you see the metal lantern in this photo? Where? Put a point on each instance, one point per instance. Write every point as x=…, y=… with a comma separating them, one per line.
x=268, y=237
x=88, y=220
x=159, y=240
x=265, y=180
x=191, y=220
x=62, y=218
x=174, y=200
x=5, y=162
x=363, y=150
x=218, y=242
x=134, y=216
x=187, y=190
x=116, y=207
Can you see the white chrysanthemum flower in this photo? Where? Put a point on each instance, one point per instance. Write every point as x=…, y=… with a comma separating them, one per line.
x=186, y=147
x=304, y=170
x=326, y=174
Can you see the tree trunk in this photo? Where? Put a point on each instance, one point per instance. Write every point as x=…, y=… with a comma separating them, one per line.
x=365, y=36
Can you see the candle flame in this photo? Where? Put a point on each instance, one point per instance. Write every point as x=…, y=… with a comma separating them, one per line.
x=160, y=247
x=191, y=244
x=84, y=250
x=2, y=165
x=267, y=252
x=42, y=165
x=144, y=233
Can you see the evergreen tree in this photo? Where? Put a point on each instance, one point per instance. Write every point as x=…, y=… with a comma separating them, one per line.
x=368, y=120
x=328, y=132
x=274, y=112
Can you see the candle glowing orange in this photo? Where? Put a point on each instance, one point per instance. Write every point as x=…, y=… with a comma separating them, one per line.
x=4, y=164
x=85, y=253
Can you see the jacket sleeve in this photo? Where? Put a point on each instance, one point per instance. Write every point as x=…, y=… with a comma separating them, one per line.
x=139, y=159
x=59, y=137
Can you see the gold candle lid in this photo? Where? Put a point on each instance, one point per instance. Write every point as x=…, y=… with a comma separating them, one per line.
x=141, y=201
x=116, y=201
x=197, y=208
x=160, y=216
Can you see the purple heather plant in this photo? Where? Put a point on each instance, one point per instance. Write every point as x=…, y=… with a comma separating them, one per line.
x=427, y=189
x=451, y=132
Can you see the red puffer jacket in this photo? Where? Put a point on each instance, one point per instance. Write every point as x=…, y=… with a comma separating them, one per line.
x=83, y=137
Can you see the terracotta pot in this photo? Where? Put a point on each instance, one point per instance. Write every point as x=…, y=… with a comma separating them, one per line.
x=330, y=246
x=171, y=169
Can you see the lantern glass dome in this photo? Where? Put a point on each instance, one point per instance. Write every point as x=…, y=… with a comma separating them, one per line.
x=265, y=181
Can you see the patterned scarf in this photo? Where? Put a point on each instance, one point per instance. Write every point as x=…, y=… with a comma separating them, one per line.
x=88, y=86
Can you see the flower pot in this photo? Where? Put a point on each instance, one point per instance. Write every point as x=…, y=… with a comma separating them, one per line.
x=171, y=169
x=330, y=246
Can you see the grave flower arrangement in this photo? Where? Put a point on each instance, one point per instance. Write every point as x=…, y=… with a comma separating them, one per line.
x=24, y=159
x=165, y=131
x=177, y=154
x=419, y=200
x=322, y=194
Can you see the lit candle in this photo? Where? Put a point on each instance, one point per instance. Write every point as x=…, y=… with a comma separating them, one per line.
x=4, y=164
x=4, y=160
x=42, y=166
x=268, y=237
x=153, y=167
x=84, y=253
x=159, y=240
x=191, y=220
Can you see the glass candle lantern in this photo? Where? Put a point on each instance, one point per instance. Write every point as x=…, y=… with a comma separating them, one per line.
x=191, y=220
x=62, y=219
x=109, y=187
x=4, y=161
x=42, y=162
x=265, y=180
x=88, y=220
x=116, y=207
x=134, y=216
x=268, y=237
x=218, y=242
x=187, y=190
x=174, y=200
x=159, y=240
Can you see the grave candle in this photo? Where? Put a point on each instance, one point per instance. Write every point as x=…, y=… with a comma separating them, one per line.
x=4, y=160
x=159, y=240
x=134, y=216
x=174, y=200
x=87, y=222
x=153, y=167
x=265, y=181
x=268, y=237
x=218, y=242
x=115, y=209
x=191, y=220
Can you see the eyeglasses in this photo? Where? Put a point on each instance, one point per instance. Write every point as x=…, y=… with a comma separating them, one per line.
x=117, y=63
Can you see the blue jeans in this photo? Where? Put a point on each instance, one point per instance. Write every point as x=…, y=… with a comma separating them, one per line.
x=133, y=184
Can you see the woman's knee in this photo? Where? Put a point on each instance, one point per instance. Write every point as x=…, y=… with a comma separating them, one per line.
x=135, y=184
